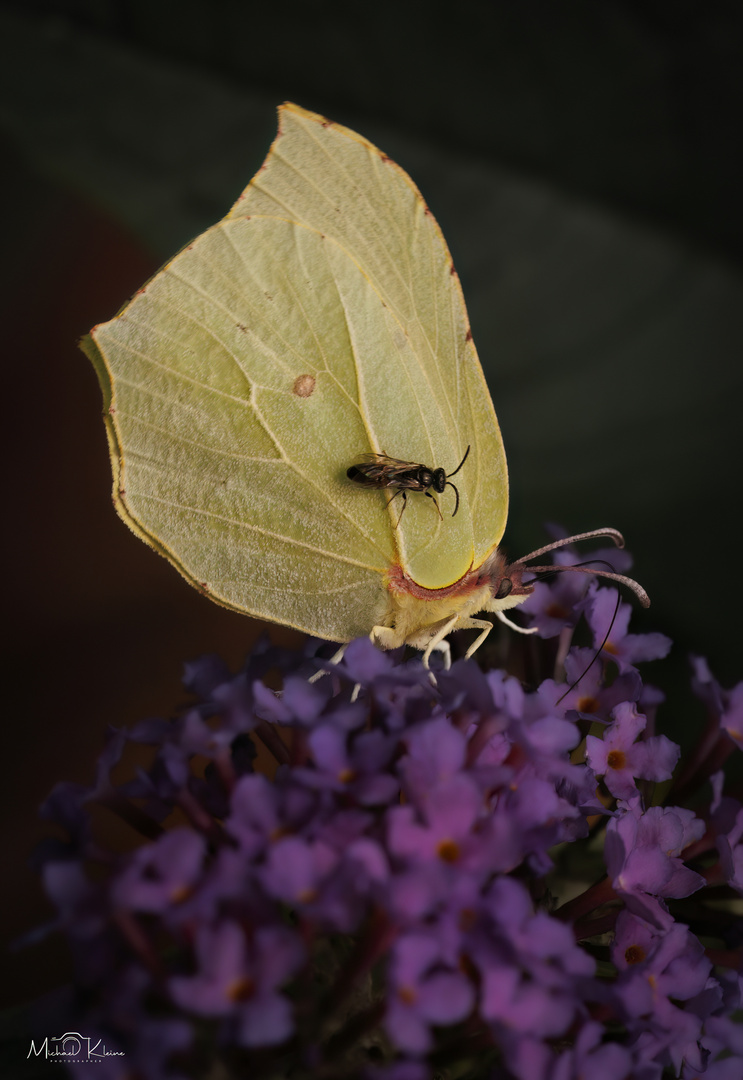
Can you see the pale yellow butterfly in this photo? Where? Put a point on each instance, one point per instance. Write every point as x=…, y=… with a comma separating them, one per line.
x=321, y=321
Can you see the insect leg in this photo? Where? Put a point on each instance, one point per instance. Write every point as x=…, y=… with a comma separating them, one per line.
x=515, y=626
x=404, y=503
x=435, y=503
x=483, y=625
x=438, y=642
x=334, y=659
x=385, y=637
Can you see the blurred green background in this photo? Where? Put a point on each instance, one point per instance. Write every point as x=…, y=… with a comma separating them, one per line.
x=583, y=162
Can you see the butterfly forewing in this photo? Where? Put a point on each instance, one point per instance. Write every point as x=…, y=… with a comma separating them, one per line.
x=318, y=322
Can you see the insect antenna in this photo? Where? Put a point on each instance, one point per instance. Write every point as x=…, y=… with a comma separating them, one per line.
x=611, y=534
x=456, y=492
x=449, y=484
x=635, y=586
x=459, y=466
x=578, y=568
x=546, y=572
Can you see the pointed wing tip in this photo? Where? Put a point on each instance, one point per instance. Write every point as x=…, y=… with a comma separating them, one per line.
x=290, y=108
x=86, y=341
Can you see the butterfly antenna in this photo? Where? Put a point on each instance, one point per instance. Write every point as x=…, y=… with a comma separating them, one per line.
x=459, y=466
x=610, y=534
x=635, y=587
x=595, y=655
x=594, y=534
x=549, y=571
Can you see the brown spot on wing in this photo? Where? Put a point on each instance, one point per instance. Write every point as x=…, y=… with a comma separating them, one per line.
x=304, y=385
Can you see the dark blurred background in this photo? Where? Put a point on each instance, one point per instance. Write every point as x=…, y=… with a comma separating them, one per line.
x=583, y=161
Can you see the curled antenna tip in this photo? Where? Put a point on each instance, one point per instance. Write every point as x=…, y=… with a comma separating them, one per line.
x=594, y=534
x=621, y=579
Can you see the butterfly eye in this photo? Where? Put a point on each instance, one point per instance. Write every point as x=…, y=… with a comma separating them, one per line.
x=505, y=585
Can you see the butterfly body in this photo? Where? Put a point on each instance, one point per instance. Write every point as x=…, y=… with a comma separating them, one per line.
x=423, y=618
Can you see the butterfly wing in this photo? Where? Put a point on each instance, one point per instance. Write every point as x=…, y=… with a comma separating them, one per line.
x=432, y=401
x=280, y=346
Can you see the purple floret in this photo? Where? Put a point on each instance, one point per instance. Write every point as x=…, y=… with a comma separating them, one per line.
x=240, y=981
x=625, y=649
x=620, y=759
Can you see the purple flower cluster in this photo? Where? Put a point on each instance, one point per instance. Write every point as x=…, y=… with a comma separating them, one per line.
x=471, y=878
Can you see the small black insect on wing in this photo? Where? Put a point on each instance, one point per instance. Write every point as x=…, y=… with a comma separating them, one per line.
x=382, y=471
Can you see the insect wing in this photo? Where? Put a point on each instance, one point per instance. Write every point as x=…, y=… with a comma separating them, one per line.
x=433, y=394
x=319, y=317
x=383, y=471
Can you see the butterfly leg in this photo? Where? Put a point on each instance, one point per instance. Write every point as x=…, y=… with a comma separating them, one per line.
x=515, y=626
x=483, y=625
x=435, y=503
x=445, y=649
x=385, y=637
x=334, y=659
x=439, y=643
